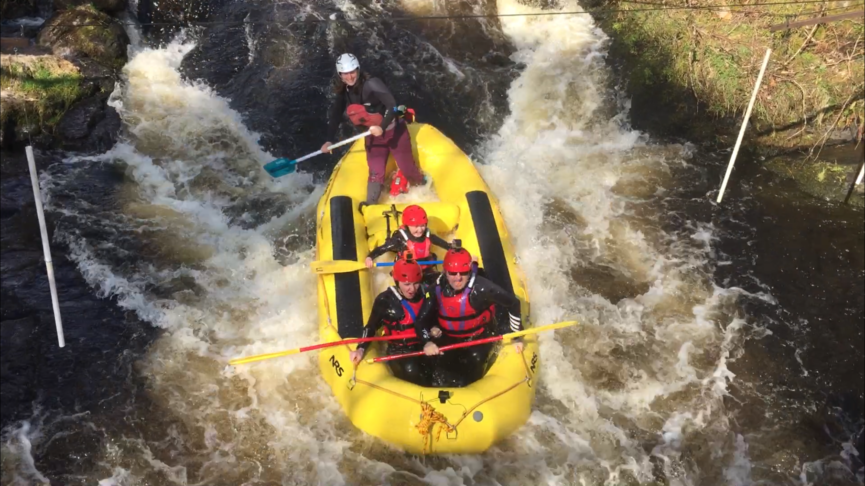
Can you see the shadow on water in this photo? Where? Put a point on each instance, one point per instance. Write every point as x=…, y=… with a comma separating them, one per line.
x=91, y=380
x=808, y=375
x=798, y=397
x=799, y=393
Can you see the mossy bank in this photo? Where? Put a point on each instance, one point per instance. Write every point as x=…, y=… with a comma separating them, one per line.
x=690, y=67
x=37, y=90
x=76, y=56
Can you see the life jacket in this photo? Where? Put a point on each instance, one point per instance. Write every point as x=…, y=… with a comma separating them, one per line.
x=405, y=327
x=457, y=317
x=360, y=117
x=360, y=111
x=420, y=249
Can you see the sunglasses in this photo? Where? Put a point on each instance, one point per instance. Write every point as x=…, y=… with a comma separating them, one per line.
x=461, y=274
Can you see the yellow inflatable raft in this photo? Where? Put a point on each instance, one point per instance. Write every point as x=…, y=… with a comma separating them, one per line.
x=418, y=419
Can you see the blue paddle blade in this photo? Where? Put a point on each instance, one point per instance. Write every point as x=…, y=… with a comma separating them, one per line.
x=281, y=167
x=423, y=262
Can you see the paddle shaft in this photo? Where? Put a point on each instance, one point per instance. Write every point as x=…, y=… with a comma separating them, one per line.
x=336, y=145
x=425, y=262
x=262, y=357
x=441, y=349
x=509, y=336
x=328, y=267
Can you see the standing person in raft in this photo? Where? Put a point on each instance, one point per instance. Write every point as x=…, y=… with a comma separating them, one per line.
x=466, y=304
x=412, y=238
x=397, y=309
x=368, y=103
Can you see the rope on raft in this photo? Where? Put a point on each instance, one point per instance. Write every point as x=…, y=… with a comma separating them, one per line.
x=429, y=418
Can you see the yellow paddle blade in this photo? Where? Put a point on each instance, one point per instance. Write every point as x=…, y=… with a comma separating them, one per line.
x=262, y=357
x=535, y=330
x=326, y=267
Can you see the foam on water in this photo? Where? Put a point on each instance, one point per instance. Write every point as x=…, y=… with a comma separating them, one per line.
x=19, y=468
x=632, y=395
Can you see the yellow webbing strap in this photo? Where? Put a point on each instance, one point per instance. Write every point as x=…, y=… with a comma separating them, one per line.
x=428, y=421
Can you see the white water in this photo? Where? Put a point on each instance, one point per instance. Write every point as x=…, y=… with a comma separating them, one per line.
x=631, y=395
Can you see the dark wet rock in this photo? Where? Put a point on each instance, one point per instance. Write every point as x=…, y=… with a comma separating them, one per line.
x=104, y=134
x=80, y=119
x=89, y=125
x=10, y=9
x=86, y=32
x=7, y=134
x=108, y=6
x=63, y=95
x=96, y=78
x=497, y=59
x=15, y=126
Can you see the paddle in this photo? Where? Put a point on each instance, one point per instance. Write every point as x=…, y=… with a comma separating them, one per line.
x=508, y=337
x=326, y=267
x=262, y=357
x=281, y=167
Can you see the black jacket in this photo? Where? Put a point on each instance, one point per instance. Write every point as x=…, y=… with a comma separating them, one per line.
x=372, y=93
x=388, y=307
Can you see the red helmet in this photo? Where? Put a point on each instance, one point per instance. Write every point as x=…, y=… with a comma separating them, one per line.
x=407, y=271
x=458, y=260
x=414, y=216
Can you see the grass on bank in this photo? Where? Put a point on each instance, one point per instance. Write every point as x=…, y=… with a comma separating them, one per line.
x=37, y=90
x=815, y=76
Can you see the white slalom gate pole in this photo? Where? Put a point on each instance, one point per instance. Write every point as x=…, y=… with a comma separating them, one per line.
x=858, y=181
x=744, y=125
x=37, y=198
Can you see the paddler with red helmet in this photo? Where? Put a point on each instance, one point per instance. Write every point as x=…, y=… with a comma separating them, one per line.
x=367, y=102
x=466, y=305
x=412, y=238
x=397, y=309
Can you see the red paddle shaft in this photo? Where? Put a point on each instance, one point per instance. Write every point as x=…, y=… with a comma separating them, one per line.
x=442, y=349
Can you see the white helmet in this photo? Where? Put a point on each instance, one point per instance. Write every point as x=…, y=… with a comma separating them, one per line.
x=347, y=63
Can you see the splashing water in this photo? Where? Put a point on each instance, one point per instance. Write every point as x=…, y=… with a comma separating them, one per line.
x=197, y=241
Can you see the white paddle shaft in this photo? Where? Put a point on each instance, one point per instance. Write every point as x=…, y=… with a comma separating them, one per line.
x=338, y=144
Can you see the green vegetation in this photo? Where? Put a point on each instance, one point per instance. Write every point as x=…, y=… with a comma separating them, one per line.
x=86, y=32
x=825, y=179
x=37, y=90
x=814, y=79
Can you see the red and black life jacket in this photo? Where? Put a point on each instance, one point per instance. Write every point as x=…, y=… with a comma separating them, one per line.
x=420, y=249
x=360, y=117
x=457, y=317
x=405, y=327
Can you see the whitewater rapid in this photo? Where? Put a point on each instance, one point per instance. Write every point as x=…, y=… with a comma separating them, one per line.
x=203, y=245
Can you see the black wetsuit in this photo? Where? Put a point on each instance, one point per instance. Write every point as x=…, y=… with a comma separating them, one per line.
x=371, y=93
x=388, y=310
x=397, y=243
x=461, y=367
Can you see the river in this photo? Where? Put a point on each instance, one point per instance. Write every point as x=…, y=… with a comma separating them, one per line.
x=717, y=345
